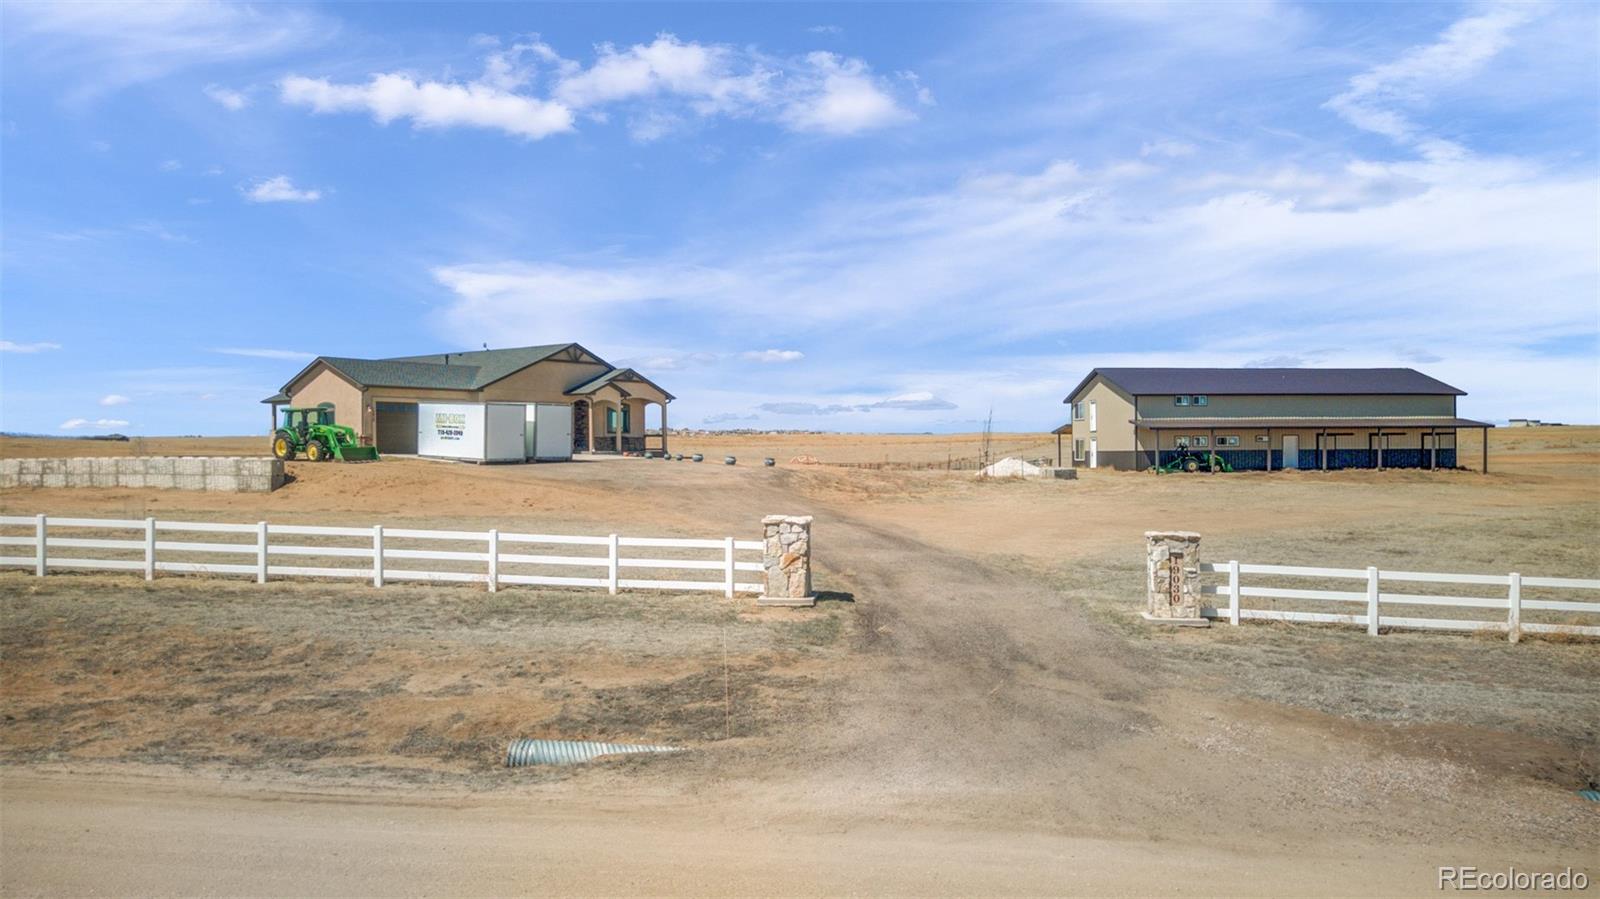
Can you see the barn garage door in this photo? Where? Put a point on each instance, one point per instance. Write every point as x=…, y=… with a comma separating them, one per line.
x=397, y=428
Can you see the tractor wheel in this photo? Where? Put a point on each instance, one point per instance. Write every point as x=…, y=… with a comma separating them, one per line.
x=283, y=447
x=317, y=451
x=1191, y=465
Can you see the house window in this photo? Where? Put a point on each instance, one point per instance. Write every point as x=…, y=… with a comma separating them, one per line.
x=1201, y=399
x=1200, y=440
x=1077, y=411
x=1227, y=440
x=1180, y=401
x=611, y=420
x=1077, y=451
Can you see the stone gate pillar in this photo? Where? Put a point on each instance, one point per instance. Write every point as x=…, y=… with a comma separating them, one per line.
x=1172, y=586
x=786, y=560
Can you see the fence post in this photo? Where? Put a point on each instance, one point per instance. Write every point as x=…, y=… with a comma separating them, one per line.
x=261, y=552
x=149, y=549
x=1514, y=617
x=727, y=570
x=494, y=560
x=377, y=555
x=1233, y=593
x=611, y=567
x=1372, y=601
x=40, y=556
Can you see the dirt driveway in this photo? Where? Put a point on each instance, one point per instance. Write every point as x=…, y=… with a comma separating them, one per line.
x=989, y=726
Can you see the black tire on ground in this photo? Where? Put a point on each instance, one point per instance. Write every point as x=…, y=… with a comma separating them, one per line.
x=1191, y=465
x=317, y=451
x=283, y=446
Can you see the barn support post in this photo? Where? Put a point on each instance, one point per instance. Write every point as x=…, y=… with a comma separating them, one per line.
x=1379, y=438
x=1485, y=451
x=1433, y=449
x=1269, y=449
x=1322, y=450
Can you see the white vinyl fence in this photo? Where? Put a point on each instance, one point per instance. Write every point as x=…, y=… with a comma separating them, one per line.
x=1371, y=596
x=367, y=553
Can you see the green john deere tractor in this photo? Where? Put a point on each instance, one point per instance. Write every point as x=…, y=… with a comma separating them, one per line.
x=310, y=431
x=1192, y=462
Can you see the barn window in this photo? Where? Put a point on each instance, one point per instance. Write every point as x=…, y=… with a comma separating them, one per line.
x=1180, y=400
x=1201, y=399
x=1180, y=442
x=1227, y=440
x=1200, y=440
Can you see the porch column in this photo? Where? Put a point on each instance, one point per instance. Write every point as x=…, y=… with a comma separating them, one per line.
x=622, y=406
x=1485, y=451
x=663, y=428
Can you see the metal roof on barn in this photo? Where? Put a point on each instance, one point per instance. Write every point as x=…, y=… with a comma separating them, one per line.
x=1269, y=381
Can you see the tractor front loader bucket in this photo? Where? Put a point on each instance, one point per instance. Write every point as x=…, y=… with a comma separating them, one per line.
x=355, y=453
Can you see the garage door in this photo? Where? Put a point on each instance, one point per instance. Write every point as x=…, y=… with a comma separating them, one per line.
x=397, y=428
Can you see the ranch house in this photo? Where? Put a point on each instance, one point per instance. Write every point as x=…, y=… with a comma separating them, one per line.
x=1265, y=419
x=392, y=403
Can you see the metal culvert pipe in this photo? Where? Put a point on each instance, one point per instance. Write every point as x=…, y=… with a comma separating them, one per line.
x=729, y=460
x=769, y=461
x=697, y=457
x=522, y=753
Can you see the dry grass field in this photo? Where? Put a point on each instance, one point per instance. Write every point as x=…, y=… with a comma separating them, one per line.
x=974, y=707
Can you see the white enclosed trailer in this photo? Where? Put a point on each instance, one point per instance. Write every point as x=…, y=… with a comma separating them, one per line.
x=548, y=433
x=477, y=432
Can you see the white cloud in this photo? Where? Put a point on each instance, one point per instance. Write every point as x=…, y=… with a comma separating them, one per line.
x=844, y=99
x=8, y=346
x=103, y=45
x=1376, y=99
x=259, y=353
x=770, y=356
x=708, y=74
x=432, y=104
x=171, y=165
x=1172, y=149
x=99, y=424
x=114, y=399
x=279, y=189
x=662, y=86
x=228, y=98
x=825, y=29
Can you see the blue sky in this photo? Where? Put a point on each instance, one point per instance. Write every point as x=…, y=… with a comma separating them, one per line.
x=848, y=217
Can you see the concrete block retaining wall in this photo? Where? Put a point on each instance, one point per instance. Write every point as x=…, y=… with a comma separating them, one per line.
x=232, y=474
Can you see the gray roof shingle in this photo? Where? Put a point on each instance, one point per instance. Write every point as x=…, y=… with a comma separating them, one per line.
x=1270, y=381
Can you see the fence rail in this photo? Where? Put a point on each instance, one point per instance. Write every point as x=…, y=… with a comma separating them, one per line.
x=486, y=562
x=1372, y=597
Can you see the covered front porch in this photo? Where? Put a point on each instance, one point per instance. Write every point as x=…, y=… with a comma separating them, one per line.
x=610, y=415
x=1328, y=444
